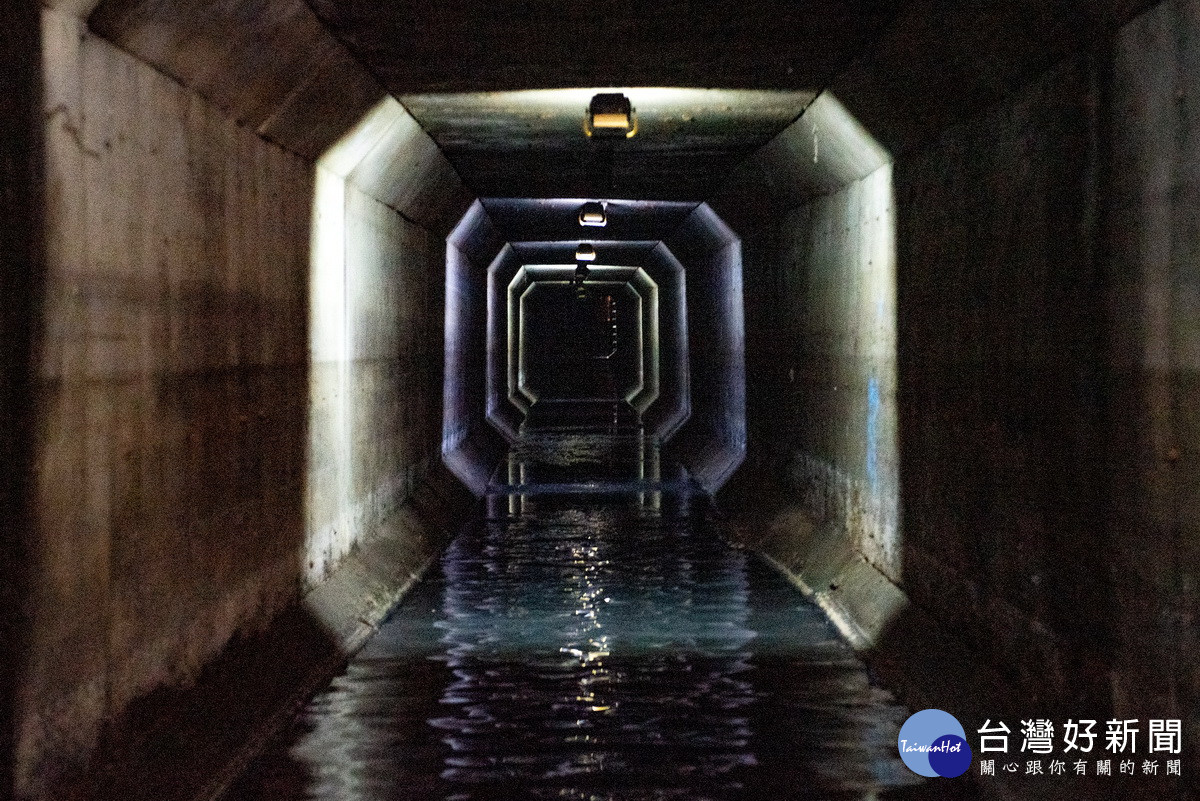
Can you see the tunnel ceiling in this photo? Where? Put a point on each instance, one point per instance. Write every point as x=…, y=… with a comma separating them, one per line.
x=532, y=143
x=473, y=45
x=301, y=72
x=453, y=66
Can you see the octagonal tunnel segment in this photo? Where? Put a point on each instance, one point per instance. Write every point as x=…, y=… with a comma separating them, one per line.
x=798, y=362
x=793, y=370
x=581, y=345
x=709, y=254
x=663, y=400
x=811, y=404
x=702, y=425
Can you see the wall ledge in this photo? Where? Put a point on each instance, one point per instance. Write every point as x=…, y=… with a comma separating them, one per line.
x=907, y=650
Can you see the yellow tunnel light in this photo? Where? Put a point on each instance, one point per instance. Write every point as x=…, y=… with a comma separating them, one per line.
x=592, y=215
x=585, y=252
x=610, y=115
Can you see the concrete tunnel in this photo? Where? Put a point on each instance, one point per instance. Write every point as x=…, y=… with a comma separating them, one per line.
x=927, y=329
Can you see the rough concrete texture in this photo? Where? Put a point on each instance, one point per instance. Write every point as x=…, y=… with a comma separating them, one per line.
x=971, y=58
x=1154, y=307
x=820, y=153
x=403, y=169
x=1046, y=335
x=820, y=493
x=815, y=210
x=171, y=412
x=375, y=373
x=1044, y=377
x=209, y=442
x=470, y=447
x=273, y=68
x=184, y=742
x=821, y=367
x=982, y=405
x=673, y=405
x=471, y=45
x=375, y=323
x=529, y=144
x=1001, y=393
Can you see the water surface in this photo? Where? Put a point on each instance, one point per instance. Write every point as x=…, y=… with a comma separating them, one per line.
x=594, y=638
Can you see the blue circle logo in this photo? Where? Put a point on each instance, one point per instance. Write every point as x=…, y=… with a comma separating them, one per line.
x=933, y=743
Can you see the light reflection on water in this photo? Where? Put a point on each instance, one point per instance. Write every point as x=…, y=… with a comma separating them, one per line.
x=610, y=636
x=595, y=647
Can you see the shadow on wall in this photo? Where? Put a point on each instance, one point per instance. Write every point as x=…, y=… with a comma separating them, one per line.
x=237, y=403
x=1050, y=511
x=855, y=399
x=838, y=432
x=22, y=287
x=171, y=400
x=1034, y=435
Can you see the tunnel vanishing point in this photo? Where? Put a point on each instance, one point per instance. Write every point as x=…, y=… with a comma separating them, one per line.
x=916, y=289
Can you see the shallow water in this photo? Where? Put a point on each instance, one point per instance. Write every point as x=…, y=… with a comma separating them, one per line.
x=601, y=644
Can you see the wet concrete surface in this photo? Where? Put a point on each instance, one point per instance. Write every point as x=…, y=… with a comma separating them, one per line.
x=600, y=641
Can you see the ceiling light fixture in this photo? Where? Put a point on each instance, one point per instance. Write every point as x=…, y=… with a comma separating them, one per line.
x=581, y=275
x=592, y=215
x=585, y=252
x=610, y=116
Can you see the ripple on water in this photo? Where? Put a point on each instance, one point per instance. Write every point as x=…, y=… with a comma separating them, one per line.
x=594, y=650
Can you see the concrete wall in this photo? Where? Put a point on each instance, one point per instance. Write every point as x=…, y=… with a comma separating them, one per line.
x=1153, y=303
x=471, y=447
x=274, y=70
x=376, y=376
x=1045, y=332
x=822, y=367
x=172, y=400
x=957, y=376
x=673, y=405
x=375, y=334
x=819, y=492
x=203, y=451
x=239, y=384
x=1047, y=338
x=1002, y=388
